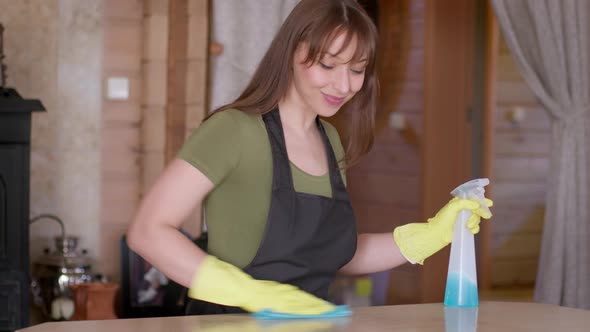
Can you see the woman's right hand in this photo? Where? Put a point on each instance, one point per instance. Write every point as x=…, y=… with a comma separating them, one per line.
x=220, y=282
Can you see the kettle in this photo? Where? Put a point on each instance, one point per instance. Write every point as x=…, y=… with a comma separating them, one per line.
x=56, y=271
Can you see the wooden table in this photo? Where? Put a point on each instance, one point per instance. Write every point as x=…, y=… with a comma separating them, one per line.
x=490, y=316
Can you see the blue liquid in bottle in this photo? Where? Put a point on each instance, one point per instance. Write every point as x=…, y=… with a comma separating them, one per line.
x=460, y=291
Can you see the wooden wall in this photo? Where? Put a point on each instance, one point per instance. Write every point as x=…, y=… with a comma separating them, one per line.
x=121, y=136
x=167, y=74
x=449, y=37
x=425, y=71
x=154, y=86
x=385, y=187
x=520, y=168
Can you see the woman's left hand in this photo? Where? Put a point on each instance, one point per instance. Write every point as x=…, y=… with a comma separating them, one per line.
x=444, y=220
x=419, y=241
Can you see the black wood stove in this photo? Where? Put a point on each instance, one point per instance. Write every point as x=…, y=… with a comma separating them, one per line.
x=15, y=142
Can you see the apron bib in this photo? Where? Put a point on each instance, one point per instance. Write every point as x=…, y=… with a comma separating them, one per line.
x=307, y=238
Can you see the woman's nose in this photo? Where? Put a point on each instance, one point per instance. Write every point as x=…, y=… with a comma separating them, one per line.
x=342, y=81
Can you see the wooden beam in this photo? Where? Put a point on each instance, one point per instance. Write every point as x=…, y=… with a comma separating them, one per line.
x=176, y=77
x=484, y=256
x=448, y=61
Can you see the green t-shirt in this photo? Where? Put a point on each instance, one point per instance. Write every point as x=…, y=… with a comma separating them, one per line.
x=232, y=149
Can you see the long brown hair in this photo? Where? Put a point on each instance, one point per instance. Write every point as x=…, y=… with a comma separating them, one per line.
x=317, y=23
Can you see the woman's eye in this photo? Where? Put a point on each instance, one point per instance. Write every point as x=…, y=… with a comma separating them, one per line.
x=358, y=71
x=326, y=66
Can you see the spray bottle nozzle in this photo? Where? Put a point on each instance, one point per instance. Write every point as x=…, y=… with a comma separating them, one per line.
x=473, y=189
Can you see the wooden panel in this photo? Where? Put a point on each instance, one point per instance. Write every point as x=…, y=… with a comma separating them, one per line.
x=153, y=164
x=489, y=76
x=535, y=117
x=516, y=246
x=109, y=247
x=384, y=217
x=446, y=144
x=176, y=77
x=394, y=55
x=154, y=83
x=122, y=164
x=412, y=70
x=390, y=192
x=511, y=194
x=152, y=52
x=123, y=42
x=124, y=139
x=518, y=219
x=123, y=48
x=507, y=69
x=156, y=7
x=416, y=28
x=391, y=136
x=502, y=47
x=195, y=113
x=521, y=143
x=417, y=11
x=128, y=9
x=197, y=89
x=515, y=272
x=117, y=112
x=155, y=91
x=378, y=182
x=155, y=37
x=119, y=198
x=521, y=169
x=199, y=8
x=198, y=43
x=154, y=131
x=411, y=94
x=119, y=212
x=393, y=159
x=515, y=92
x=196, y=78
x=399, y=191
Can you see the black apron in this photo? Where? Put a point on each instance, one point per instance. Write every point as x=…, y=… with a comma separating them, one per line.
x=307, y=238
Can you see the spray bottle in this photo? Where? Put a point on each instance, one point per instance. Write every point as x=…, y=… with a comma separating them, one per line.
x=461, y=289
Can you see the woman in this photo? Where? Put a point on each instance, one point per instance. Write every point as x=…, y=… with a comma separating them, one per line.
x=279, y=219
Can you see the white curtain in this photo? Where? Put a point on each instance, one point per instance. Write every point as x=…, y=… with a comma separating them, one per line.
x=550, y=41
x=245, y=28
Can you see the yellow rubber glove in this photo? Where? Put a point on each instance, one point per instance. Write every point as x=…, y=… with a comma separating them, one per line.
x=222, y=283
x=419, y=241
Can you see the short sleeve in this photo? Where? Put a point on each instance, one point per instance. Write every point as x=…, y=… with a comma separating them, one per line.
x=214, y=147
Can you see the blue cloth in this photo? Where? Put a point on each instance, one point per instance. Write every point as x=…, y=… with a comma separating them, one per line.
x=339, y=311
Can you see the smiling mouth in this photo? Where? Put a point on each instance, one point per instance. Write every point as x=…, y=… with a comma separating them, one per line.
x=334, y=101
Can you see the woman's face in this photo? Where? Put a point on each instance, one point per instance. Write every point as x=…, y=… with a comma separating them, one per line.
x=329, y=83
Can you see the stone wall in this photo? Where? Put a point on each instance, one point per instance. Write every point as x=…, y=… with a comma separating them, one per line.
x=54, y=53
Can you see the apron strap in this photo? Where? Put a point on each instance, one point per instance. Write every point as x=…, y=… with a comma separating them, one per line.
x=338, y=189
x=282, y=178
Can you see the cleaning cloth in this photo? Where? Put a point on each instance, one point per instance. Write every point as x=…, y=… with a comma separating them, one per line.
x=339, y=311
